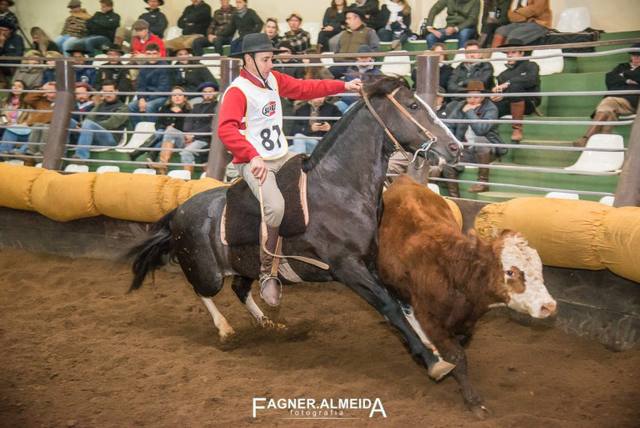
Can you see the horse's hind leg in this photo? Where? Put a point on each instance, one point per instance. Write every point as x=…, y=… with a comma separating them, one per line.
x=242, y=287
x=225, y=331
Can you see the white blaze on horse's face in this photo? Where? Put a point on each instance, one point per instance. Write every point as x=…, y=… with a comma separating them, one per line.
x=441, y=124
x=523, y=279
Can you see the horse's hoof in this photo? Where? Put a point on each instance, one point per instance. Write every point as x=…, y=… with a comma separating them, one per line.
x=440, y=369
x=480, y=411
x=269, y=324
x=227, y=336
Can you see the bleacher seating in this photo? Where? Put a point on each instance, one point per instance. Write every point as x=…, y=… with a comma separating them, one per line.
x=562, y=195
x=592, y=161
x=397, y=69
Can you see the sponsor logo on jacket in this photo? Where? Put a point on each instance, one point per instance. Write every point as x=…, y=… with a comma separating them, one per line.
x=269, y=109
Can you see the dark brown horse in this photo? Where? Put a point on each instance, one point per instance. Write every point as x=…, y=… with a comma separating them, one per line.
x=345, y=178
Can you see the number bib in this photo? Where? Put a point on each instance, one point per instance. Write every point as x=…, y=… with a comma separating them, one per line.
x=263, y=119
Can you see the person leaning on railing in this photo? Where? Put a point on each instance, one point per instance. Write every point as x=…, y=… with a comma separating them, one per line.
x=624, y=77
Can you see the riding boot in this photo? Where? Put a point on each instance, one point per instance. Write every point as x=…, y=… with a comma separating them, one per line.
x=595, y=129
x=270, y=285
x=517, y=113
x=498, y=40
x=165, y=157
x=483, y=174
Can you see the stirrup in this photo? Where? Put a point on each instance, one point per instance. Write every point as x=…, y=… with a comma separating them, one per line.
x=262, y=285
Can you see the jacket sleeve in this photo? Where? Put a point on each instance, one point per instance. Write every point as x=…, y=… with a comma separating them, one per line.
x=435, y=9
x=230, y=114
x=456, y=82
x=229, y=29
x=373, y=40
x=472, y=19
x=257, y=22
x=299, y=89
x=531, y=10
x=114, y=121
x=325, y=19
x=481, y=127
x=615, y=78
x=530, y=79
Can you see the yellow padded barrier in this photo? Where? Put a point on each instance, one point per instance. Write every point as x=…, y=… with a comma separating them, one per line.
x=620, y=247
x=455, y=210
x=64, y=197
x=15, y=186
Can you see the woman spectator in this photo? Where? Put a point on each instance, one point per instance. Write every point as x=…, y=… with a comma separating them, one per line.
x=30, y=76
x=272, y=30
x=332, y=23
x=41, y=41
x=169, y=128
x=397, y=18
x=14, y=121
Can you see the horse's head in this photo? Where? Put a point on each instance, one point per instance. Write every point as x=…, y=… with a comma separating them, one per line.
x=412, y=123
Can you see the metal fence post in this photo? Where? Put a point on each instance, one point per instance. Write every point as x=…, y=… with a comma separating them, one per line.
x=427, y=78
x=218, y=155
x=628, y=188
x=59, y=129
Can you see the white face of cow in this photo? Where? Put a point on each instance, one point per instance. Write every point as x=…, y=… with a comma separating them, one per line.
x=523, y=278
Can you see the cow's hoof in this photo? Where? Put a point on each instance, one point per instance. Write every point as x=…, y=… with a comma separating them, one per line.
x=439, y=370
x=480, y=411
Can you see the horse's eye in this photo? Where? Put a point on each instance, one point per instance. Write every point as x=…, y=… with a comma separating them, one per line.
x=414, y=106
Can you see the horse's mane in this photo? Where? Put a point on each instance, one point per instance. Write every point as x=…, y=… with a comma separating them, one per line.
x=375, y=87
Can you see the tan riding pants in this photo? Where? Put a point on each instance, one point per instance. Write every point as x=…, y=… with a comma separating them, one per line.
x=271, y=197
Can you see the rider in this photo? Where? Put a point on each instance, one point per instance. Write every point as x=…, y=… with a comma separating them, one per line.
x=250, y=127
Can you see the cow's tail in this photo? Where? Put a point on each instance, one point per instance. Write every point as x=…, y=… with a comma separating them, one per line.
x=153, y=253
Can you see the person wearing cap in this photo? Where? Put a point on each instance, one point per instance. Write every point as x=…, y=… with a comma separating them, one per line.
x=467, y=71
x=250, y=127
x=519, y=76
x=478, y=109
x=86, y=75
x=194, y=125
x=101, y=28
x=121, y=75
x=151, y=79
x=462, y=20
x=530, y=20
x=157, y=20
x=299, y=40
x=624, y=77
x=6, y=14
x=143, y=37
x=214, y=38
x=364, y=70
x=244, y=21
x=31, y=76
x=75, y=26
x=11, y=44
x=350, y=40
x=189, y=77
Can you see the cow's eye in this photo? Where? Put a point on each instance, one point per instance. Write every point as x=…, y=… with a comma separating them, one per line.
x=414, y=106
x=509, y=273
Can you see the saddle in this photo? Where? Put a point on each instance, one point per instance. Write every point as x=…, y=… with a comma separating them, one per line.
x=241, y=216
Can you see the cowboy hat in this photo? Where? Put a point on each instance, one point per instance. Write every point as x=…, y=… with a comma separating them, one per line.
x=254, y=43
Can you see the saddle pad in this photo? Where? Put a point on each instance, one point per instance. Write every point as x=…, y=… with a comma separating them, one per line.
x=241, y=217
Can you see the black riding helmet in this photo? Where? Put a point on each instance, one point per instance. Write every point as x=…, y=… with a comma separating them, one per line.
x=254, y=43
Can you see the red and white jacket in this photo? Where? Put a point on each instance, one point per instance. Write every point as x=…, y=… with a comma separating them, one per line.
x=233, y=108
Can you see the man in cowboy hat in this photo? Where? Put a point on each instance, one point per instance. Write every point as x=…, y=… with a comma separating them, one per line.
x=6, y=14
x=121, y=75
x=157, y=20
x=356, y=35
x=250, y=127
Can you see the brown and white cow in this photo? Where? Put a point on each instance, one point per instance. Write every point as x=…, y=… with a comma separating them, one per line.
x=447, y=279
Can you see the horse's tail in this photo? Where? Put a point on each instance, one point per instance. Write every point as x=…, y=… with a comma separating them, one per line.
x=151, y=254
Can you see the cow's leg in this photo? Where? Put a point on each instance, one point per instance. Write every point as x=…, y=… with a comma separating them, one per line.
x=225, y=331
x=242, y=287
x=357, y=277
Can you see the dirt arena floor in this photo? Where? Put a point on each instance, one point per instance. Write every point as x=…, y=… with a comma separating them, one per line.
x=75, y=350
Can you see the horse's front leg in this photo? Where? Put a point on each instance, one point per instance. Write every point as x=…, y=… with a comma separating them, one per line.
x=367, y=285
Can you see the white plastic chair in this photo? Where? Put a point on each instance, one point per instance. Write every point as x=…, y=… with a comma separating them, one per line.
x=590, y=161
x=107, y=168
x=203, y=175
x=15, y=162
x=143, y=131
x=434, y=188
x=574, y=20
x=100, y=59
x=548, y=65
x=172, y=32
x=396, y=69
x=562, y=195
x=39, y=165
x=325, y=58
x=458, y=57
x=608, y=200
x=182, y=174
x=145, y=171
x=213, y=64
x=498, y=66
x=74, y=167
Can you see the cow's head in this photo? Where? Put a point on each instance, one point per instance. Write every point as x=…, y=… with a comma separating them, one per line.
x=524, y=289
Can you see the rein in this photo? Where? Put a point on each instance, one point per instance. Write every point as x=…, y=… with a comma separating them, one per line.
x=425, y=147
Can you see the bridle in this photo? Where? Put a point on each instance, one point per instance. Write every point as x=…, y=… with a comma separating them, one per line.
x=391, y=97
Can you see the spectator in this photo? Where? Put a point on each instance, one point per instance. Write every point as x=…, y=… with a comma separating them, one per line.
x=494, y=15
x=462, y=19
x=30, y=76
x=49, y=74
x=332, y=23
x=41, y=41
x=75, y=26
x=519, y=76
x=286, y=49
x=84, y=101
x=317, y=107
x=350, y=40
x=39, y=119
x=6, y=14
x=530, y=20
x=396, y=17
x=316, y=71
x=221, y=18
x=364, y=71
x=143, y=37
x=169, y=128
x=121, y=76
x=272, y=30
x=101, y=28
x=371, y=11
x=86, y=75
x=194, y=124
x=151, y=79
x=14, y=120
x=195, y=19
x=299, y=40
x=624, y=77
x=11, y=45
x=244, y=21
x=467, y=71
x=109, y=115
x=478, y=109
x=155, y=18
x=187, y=77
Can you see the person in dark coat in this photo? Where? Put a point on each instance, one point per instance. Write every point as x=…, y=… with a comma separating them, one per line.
x=519, y=76
x=624, y=77
x=11, y=44
x=317, y=107
x=188, y=77
x=120, y=76
x=193, y=124
x=195, y=19
x=6, y=14
x=151, y=79
x=221, y=18
x=157, y=20
x=467, y=71
x=297, y=72
x=445, y=69
x=101, y=28
x=86, y=75
x=371, y=11
x=332, y=23
x=494, y=15
x=244, y=21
